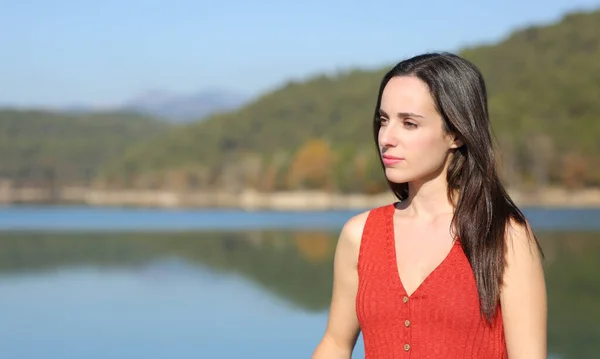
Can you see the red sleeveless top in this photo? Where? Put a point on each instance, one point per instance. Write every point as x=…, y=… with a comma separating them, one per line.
x=441, y=319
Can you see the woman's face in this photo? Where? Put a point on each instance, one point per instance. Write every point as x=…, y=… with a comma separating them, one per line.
x=412, y=140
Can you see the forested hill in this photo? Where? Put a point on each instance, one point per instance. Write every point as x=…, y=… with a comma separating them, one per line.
x=544, y=86
x=47, y=148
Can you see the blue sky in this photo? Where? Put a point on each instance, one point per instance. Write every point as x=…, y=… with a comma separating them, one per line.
x=63, y=52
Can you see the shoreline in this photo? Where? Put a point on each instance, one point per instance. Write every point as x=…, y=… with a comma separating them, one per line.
x=250, y=200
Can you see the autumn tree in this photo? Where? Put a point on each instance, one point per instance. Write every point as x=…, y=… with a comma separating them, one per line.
x=311, y=167
x=574, y=170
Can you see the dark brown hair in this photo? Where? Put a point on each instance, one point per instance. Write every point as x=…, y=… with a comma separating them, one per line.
x=483, y=207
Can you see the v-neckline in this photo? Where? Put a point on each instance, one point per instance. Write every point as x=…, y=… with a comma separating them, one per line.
x=391, y=240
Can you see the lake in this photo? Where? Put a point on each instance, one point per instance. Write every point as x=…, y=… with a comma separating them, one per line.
x=93, y=283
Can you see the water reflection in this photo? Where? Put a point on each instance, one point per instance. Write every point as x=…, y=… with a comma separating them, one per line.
x=294, y=269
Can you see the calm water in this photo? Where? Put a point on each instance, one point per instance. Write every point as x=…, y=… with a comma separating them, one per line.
x=116, y=283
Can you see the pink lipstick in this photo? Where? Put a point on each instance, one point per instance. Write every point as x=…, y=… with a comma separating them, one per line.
x=389, y=160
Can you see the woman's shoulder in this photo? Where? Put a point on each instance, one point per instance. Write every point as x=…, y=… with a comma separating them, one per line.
x=353, y=229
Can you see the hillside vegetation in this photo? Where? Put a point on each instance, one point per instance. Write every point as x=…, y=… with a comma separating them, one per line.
x=544, y=87
x=44, y=148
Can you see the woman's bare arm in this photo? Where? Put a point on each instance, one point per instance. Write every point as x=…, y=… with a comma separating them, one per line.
x=343, y=328
x=523, y=297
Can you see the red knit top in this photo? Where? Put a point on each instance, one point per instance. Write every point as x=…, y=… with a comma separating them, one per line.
x=441, y=319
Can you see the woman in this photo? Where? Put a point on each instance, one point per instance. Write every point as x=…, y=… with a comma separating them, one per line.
x=452, y=270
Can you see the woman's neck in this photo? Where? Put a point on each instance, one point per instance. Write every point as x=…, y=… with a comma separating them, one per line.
x=428, y=199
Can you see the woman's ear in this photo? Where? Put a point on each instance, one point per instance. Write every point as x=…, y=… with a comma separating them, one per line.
x=456, y=142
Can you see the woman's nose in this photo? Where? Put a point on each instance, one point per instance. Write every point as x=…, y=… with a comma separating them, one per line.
x=386, y=137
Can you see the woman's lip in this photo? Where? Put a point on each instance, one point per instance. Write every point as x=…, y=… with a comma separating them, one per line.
x=389, y=157
x=391, y=160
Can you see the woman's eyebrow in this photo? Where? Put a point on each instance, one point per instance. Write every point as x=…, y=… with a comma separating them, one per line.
x=401, y=114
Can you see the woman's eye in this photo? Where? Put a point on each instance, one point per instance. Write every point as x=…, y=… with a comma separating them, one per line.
x=382, y=120
x=410, y=124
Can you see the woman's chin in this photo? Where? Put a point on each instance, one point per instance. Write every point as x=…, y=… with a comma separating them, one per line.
x=395, y=177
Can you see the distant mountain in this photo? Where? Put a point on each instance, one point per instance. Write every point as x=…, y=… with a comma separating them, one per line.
x=184, y=108
x=45, y=146
x=544, y=86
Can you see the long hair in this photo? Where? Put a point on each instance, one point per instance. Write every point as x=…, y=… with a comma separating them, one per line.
x=483, y=207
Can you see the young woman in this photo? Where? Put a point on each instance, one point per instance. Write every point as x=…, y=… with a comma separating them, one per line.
x=452, y=270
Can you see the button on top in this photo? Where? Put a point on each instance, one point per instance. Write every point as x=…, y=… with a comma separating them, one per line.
x=407, y=322
x=405, y=299
x=406, y=347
